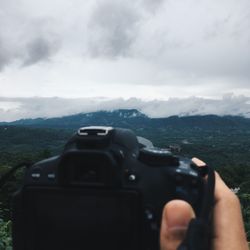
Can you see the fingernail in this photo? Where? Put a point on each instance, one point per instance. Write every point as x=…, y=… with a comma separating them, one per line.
x=176, y=218
x=175, y=228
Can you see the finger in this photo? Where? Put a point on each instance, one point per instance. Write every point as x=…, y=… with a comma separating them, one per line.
x=198, y=162
x=228, y=223
x=228, y=226
x=175, y=219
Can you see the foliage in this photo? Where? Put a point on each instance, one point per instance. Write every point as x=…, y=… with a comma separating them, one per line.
x=245, y=204
x=5, y=235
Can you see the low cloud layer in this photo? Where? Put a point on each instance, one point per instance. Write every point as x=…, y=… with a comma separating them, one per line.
x=18, y=108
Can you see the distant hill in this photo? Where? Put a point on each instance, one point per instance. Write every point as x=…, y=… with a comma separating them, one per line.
x=219, y=140
x=136, y=120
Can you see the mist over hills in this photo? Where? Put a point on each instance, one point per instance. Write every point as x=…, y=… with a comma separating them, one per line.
x=134, y=119
x=16, y=108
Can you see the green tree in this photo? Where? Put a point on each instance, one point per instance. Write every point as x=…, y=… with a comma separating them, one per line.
x=5, y=235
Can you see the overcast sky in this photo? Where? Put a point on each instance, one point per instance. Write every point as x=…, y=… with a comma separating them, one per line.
x=148, y=49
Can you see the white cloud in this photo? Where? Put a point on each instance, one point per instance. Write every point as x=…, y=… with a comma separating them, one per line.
x=18, y=108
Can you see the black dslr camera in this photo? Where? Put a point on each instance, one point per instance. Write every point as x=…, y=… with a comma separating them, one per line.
x=106, y=190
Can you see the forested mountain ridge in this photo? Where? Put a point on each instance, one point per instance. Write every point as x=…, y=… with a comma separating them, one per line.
x=135, y=119
x=220, y=140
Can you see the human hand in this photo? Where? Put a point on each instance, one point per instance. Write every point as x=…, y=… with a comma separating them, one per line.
x=228, y=227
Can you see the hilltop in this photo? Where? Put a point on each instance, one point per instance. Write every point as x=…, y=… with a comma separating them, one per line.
x=132, y=118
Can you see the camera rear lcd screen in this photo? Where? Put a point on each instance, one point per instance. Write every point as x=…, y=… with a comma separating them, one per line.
x=82, y=220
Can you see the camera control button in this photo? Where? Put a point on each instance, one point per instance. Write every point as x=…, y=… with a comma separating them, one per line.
x=193, y=173
x=51, y=176
x=132, y=177
x=35, y=175
x=149, y=214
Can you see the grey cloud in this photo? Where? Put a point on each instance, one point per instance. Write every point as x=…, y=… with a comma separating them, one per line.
x=207, y=43
x=56, y=107
x=152, y=5
x=40, y=49
x=4, y=56
x=112, y=29
x=25, y=39
x=217, y=28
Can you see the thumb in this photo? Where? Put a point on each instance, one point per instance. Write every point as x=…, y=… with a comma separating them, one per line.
x=175, y=219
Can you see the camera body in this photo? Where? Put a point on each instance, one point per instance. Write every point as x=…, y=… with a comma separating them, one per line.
x=106, y=190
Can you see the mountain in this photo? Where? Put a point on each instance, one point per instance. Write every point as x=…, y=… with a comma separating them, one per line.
x=134, y=119
x=114, y=118
x=217, y=140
